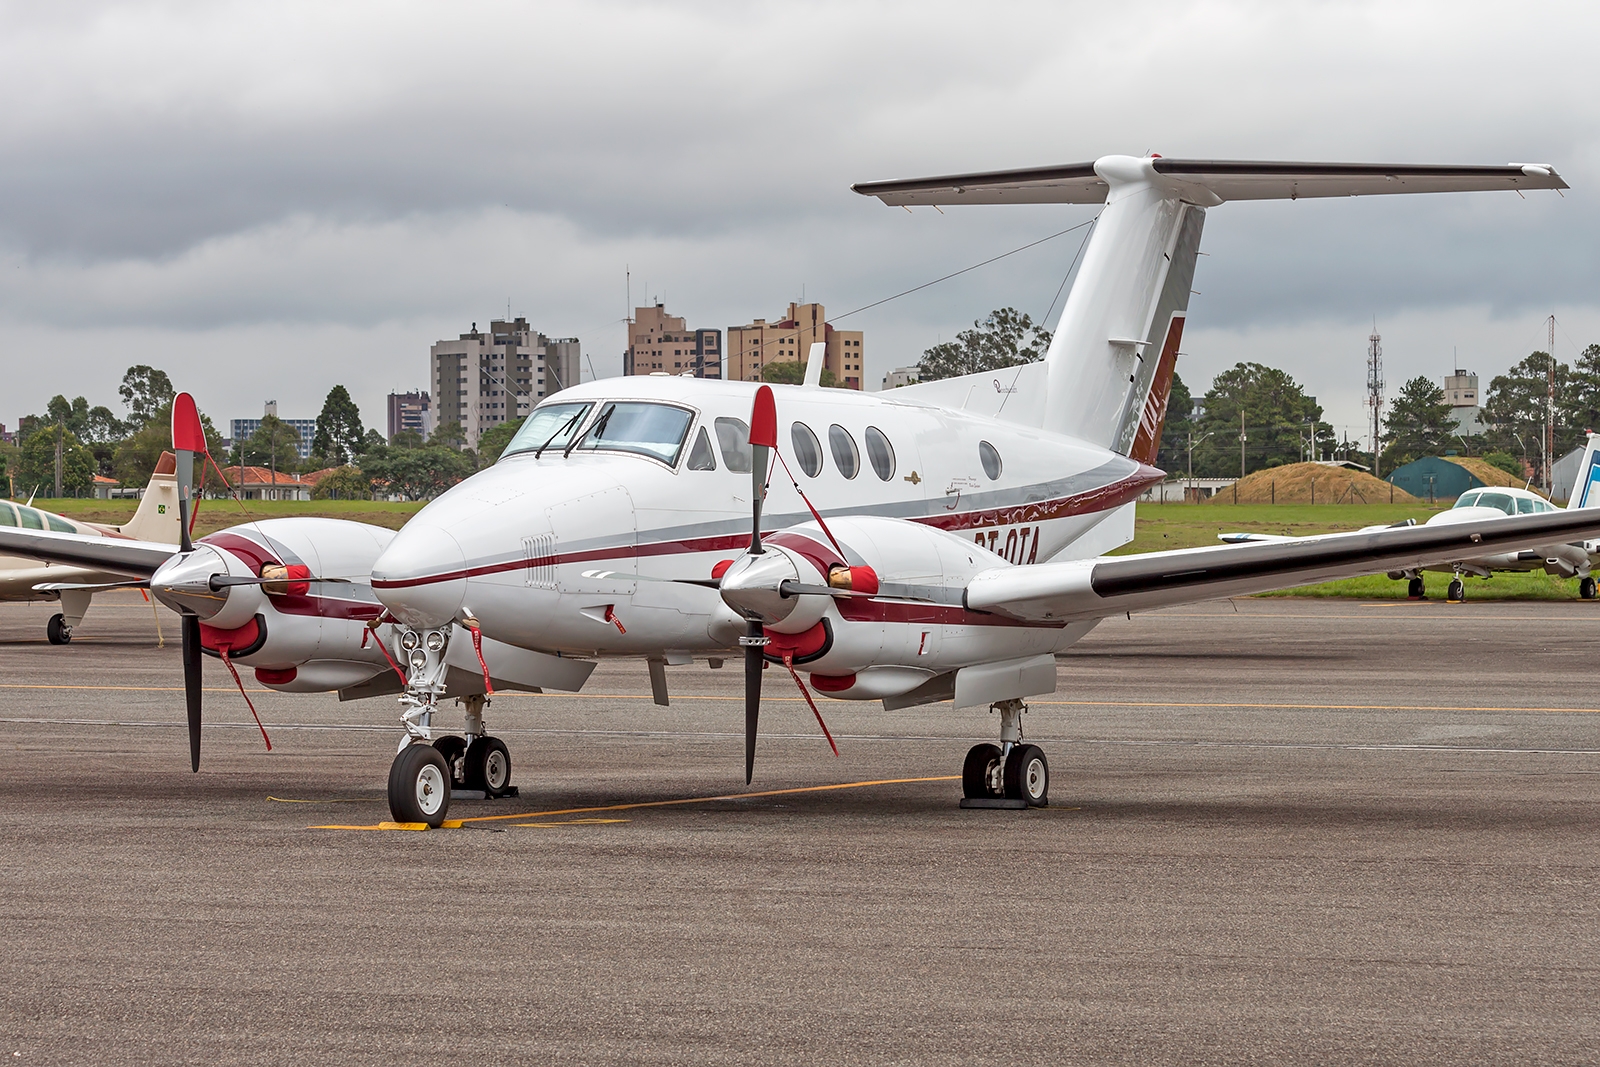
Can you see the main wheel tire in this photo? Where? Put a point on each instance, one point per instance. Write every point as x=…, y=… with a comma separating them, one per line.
x=488, y=766
x=419, y=786
x=1457, y=591
x=977, y=772
x=1415, y=589
x=1586, y=589
x=1028, y=775
x=57, y=630
x=453, y=748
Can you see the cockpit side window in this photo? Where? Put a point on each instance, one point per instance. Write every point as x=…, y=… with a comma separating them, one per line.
x=1525, y=505
x=700, y=456
x=642, y=427
x=550, y=426
x=1502, y=501
x=733, y=437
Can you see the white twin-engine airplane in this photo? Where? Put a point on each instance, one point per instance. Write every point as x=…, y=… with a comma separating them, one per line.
x=940, y=542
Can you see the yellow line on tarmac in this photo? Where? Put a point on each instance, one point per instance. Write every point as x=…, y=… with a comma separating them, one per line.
x=708, y=800
x=1306, y=707
x=456, y=823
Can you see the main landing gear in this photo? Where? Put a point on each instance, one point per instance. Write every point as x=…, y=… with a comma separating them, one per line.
x=1415, y=589
x=1456, y=592
x=57, y=630
x=1586, y=589
x=1008, y=775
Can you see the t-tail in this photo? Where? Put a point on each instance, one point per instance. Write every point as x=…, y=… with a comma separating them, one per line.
x=1108, y=374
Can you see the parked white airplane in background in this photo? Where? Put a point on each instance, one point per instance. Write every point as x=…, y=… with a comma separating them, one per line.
x=940, y=542
x=1573, y=559
x=26, y=578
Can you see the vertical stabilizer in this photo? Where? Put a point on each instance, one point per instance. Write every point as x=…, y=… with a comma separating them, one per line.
x=1112, y=359
x=1586, y=486
x=157, y=516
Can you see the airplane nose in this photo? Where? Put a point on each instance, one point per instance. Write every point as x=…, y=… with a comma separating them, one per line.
x=421, y=577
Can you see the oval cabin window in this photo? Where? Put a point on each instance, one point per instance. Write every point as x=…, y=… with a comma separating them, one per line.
x=990, y=458
x=807, y=450
x=845, y=454
x=880, y=453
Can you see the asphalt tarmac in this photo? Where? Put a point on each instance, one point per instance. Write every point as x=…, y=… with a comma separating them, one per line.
x=1281, y=831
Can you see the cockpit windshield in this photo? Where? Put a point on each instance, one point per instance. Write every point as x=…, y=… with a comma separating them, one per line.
x=654, y=430
x=1500, y=501
x=550, y=426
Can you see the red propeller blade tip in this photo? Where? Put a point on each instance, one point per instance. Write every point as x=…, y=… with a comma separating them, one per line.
x=764, y=419
x=187, y=433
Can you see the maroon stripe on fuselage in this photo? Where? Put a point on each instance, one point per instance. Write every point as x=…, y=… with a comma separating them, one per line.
x=1102, y=498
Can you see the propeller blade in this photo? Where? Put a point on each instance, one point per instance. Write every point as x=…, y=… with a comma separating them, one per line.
x=188, y=438
x=763, y=435
x=223, y=581
x=191, y=684
x=754, y=662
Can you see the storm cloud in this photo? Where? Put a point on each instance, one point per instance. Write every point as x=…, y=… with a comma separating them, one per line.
x=265, y=200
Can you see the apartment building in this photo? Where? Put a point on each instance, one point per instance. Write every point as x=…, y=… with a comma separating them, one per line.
x=241, y=429
x=661, y=342
x=485, y=378
x=761, y=343
x=410, y=411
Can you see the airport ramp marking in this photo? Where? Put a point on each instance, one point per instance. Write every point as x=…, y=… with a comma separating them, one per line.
x=453, y=824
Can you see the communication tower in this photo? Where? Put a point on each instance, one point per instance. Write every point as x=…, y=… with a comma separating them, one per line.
x=1375, y=394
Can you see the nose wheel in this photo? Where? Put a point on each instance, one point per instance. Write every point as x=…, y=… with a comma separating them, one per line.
x=419, y=786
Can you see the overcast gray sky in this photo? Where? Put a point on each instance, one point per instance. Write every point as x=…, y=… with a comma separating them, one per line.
x=268, y=199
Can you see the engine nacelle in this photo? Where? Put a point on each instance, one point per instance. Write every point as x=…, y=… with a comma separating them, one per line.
x=916, y=628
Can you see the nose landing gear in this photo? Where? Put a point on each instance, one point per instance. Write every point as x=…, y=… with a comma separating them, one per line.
x=428, y=770
x=1010, y=774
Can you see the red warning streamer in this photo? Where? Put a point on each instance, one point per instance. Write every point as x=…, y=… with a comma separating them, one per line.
x=815, y=514
x=477, y=646
x=385, y=650
x=788, y=661
x=222, y=650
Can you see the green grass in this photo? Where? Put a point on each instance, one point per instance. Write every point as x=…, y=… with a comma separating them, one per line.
x=217, y=514
x=1164, y=526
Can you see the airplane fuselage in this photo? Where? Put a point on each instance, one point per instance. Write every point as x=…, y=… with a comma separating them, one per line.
x=511, y=545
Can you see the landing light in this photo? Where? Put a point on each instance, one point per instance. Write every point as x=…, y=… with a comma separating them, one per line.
x=435, y=640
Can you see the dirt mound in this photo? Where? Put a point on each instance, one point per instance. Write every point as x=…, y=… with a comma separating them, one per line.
x=1311, y=483
x=1487, y=473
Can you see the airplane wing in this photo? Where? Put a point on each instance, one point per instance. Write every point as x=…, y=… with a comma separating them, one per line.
x=1226, y=179
x=138, y=559
x=1110, y=585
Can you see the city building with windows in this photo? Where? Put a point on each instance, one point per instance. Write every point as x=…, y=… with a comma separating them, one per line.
x=661, y=342
x=1461, y=390
x=755, y=346
x=241, y=429
x=410, y=411
x=485, y=378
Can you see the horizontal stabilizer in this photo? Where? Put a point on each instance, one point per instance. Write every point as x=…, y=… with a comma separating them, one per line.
x=1207, y=182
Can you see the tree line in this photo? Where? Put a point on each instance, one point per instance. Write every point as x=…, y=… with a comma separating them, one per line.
x=1254, y=416
x=97, y=441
